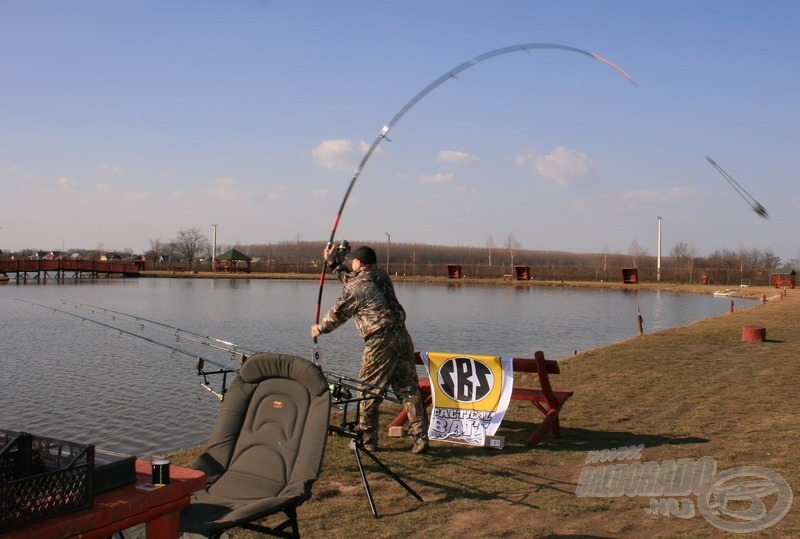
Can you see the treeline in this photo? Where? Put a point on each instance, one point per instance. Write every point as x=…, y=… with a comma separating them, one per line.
x=723, y=267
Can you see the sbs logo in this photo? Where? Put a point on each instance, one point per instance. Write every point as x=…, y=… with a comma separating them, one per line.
x=465, y=379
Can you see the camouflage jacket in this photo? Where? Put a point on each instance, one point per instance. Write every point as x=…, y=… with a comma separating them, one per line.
x=369, y=298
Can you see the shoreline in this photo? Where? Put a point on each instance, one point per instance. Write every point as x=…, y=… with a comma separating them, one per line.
x=755, y=292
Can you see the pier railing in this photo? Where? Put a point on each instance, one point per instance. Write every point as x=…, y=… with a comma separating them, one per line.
x=28, y=268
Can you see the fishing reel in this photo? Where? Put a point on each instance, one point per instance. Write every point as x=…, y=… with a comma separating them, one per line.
x=340, y=392
x=340, y=253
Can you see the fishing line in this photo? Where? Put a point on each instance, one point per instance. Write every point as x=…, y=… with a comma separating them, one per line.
x=201, y=361
x=760, y=210
x=425, y=91
x=144, y=323
x=334, y=379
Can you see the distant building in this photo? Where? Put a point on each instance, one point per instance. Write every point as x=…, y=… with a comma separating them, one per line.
x=229, y=261
x=782, y=277
x=48, y=255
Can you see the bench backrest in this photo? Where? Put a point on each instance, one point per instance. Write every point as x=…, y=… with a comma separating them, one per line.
x=538, y=364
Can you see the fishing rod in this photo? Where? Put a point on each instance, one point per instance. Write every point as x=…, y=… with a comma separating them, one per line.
x=233, y=348
x=451, y=74
x=223, y=369
x=339, y=383
x=144, y=323
x=760, y=210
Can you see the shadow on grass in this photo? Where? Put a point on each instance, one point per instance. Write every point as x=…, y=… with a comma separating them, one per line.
x=577, y=439
x=515, y=474
x=570, y=536
x=465, y=473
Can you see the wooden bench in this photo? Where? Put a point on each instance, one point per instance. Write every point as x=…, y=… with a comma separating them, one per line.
x=546, y=399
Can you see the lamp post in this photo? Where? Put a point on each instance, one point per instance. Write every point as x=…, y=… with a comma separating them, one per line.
x=658, y=265
x=214, y=250
x=388, y=245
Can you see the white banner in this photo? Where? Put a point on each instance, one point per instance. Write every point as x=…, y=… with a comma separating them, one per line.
x=470, y=395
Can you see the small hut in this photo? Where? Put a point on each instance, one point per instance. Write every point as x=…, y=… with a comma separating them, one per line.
x=630, y=275
x=782, y=277
x=229, y=261
x=522, y=273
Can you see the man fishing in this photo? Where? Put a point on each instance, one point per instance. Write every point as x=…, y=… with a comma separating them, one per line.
x=388, y=358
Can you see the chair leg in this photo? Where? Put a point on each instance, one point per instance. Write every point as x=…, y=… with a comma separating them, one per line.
x=291, y=512
x=279, y=530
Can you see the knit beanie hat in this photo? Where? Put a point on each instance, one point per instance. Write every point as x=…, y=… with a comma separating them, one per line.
x=366, y=255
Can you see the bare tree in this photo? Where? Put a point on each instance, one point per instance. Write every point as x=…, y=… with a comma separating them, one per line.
x=155, y=250
x=190, y=243
x=794, y=263
x=637, y=251
x=684, y=254
x=512, y=245
x=679, y=250
x=490, y=246
x=605, y=262
x=769, y=259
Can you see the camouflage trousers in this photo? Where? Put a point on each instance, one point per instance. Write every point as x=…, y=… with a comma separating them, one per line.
x=388, y=360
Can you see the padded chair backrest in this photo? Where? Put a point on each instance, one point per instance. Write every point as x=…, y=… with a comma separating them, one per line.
x=271, y=431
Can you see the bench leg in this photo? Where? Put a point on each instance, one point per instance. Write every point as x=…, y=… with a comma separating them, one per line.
x=556, y=429
x=550, y=422
x=400, y=420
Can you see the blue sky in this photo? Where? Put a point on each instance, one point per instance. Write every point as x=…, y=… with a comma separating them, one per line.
x=124, y=122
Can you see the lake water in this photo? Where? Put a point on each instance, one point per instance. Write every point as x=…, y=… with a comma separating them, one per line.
x=79, y=381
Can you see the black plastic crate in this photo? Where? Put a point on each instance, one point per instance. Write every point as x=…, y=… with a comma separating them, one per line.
x=112, y=470
x=41, y=478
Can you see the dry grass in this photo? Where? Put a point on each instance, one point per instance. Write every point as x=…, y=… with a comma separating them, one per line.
x=686, y=392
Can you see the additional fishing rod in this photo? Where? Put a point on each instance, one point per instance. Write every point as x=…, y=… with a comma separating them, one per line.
x=144, y=323
x=760, y=210
x=233, y=348
x=341, y=385
x=425, y=91
x=224, y=370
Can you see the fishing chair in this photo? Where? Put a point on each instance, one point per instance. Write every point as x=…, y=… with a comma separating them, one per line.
x=265, y=450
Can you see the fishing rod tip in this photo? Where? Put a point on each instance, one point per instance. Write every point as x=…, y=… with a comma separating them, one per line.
x=615, y=66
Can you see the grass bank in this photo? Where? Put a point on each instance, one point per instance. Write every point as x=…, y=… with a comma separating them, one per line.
x=688, y=392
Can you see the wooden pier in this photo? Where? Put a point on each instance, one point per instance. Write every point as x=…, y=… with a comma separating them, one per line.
x=41, y=270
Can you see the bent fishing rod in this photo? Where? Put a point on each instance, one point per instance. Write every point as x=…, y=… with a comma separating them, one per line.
x=223, y=369
x=451, y=74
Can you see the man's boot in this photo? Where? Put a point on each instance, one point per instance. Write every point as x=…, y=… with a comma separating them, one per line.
x=420, y=443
